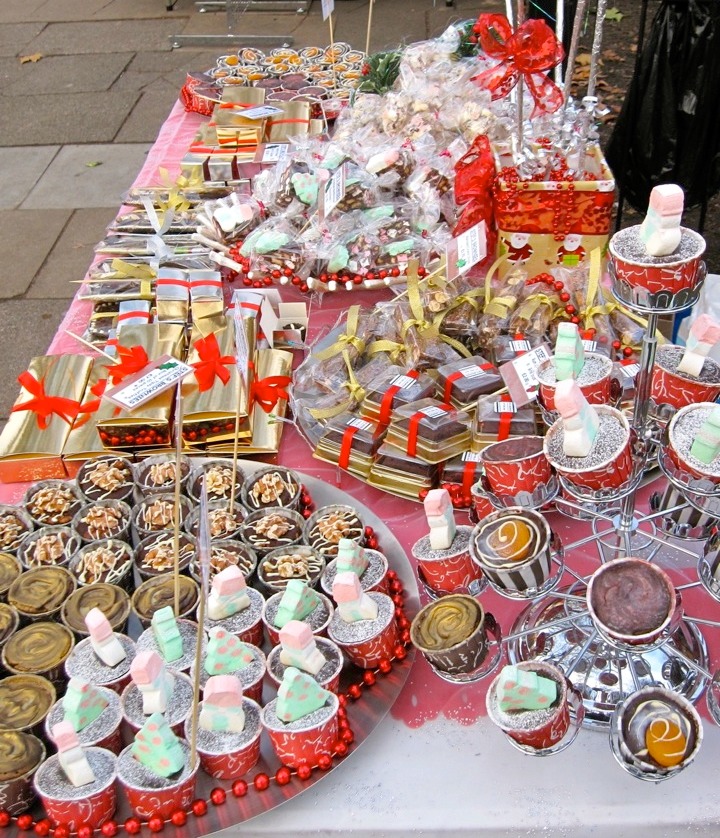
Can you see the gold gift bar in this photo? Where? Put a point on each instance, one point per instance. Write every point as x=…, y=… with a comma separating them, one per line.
x=216, y=393
x=40, y=420
x=149, y=424
x=273, y=376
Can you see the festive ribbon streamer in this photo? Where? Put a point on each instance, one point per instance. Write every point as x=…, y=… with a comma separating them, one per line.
x=267, y=392
x=132, y=360
x=44, y=406
x=497, y=306
x=349, y=337
x=132, y=270
x=474, y=176
x=528, y=53
x=212, y=364
x=357, y=394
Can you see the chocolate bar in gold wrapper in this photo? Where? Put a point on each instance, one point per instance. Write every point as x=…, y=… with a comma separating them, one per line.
x=216, y=392
x=40, y=420
x=272, y=379
x=150, y=424
x=294, y=119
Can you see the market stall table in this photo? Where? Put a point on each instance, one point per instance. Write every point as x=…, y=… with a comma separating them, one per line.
x=436, y=765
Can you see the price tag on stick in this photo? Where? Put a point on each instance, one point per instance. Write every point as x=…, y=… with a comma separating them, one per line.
x=520, y=374
x=155, y=378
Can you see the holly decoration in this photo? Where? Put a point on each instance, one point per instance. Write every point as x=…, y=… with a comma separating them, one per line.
x=380, y=72
x=468, y=46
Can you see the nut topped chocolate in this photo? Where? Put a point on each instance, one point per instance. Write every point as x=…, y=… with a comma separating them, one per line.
x=225, y=553
x=102, y=519
x=14, y=528
x=222, y=522
x=52, y=502
x=41, y=591
x=274, y=527
x=108, y=560
x=106, y=478
x=157, y=513
x=156, y=553
x=218, y=476
x=284, y=564
x=20, y=753
x=157, y=474
x=49, y=546
x=329, y=524
x=24, y=701
x=271, y=487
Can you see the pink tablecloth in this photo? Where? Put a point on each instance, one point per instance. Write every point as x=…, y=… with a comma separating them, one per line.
x=425, y=696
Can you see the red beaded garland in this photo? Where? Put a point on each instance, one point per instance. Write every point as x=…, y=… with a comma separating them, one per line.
x=347, y=736
x=25, y=821
x=239, y=788
x=178, y=817
x=400, y=652
x=304, y=771
x=324, y=762
x=199, y=808
x=156, y=824
x=42, y=827
x=218, y=796
x=283, y=775
x=62, y=830
x=385, y=666
x=340, y=749
x=5, y=818
x=354, y=691
x=110, y=828
x=369, y=677
x=132, y=826
x=261, y=782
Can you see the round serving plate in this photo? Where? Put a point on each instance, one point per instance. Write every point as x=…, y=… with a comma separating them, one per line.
x=364, y=715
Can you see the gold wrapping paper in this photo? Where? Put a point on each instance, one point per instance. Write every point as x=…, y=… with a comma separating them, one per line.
x=213, y=410
x=31, y=443
x=149, y=424
x=83, y=441
x=295, y=119
x=267, y=426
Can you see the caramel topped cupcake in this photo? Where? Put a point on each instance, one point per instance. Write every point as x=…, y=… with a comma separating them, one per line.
x=109, y=560
x=274, y=486
x=52, y=502
x=106, y=478
x=218, y=475
x=25, y=700
x=102, y=519
x=284, y=564
x=157, y=474
x=38, y=649
x=225, y=553
x=20, y=753
x=268, y=529
x=49, y=546
x=15, y=526
x=156, y=553
x=41, y=592
x=329, y=524
x=156, y=513
x=112, y=600
x=9, y=621
x=221, y=521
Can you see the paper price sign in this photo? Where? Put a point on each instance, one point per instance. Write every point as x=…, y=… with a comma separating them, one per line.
x=261, y=112
x=273, y=152
x=145, y=385
x=328, y=7
x=334, y=191
x=520, y=374
x=466, y=250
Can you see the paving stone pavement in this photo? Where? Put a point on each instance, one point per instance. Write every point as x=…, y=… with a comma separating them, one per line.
x=103, y=79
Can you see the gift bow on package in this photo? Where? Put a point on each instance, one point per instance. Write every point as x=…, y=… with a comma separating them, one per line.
x=266, y=392
x=474, y=176
x=42, y=405
x=528, y=53
x=212, y=363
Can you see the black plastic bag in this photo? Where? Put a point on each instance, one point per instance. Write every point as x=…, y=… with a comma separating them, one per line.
x=669, y=128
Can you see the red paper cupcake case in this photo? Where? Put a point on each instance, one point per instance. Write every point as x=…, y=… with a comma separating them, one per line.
x=672, y=389
x=609, y=476
x=549, y=734
x=451, y=574
x=232, y=765
x=161, y=802
x=304, y=746
x=598, y=392
x=519, y=476
x=93, y=810
x=369, y=653
x=655, y=278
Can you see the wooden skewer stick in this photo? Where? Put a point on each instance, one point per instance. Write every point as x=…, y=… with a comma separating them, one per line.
x=178, y=481
x=89, y=345
x=369, y=27
x=572, y=52
x=204, y=549
x=236, y=444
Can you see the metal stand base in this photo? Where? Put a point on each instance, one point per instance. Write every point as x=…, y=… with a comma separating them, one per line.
x=224, y=41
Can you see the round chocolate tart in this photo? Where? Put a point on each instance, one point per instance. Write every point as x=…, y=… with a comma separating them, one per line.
x=222, y=522
x=52, y=502
x=273, y=486
x=156, y=513
x=41, y=592
x=109, y=560
x=157, y=474
x=267, y=529
x=225, y=553
x=25, y=700
x=102, y=519
x=38, y=649
x=329, y=524
x=218, y=476
x=159, y=591
x=107, y=478
x=156, y=553
x=15, y=525
x=446, y=622
x=9, y=622
x=20, y=753
x=49, y=546
x=10, y=569
x=295, y=562
x=112, y=600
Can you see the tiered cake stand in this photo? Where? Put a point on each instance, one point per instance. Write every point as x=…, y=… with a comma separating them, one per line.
x=556, y=626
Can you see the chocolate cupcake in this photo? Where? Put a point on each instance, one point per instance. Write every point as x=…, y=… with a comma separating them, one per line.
x=107, y=478
x=286, y=563
x=112, y=600
x=272, y=486
x=39, y=649
x=156, y=475
x=218, y=476
x=267, y=529
x=21, y=754
x=108, y=560
x=226, y=553
x=327, y=525
x=52, y=503
x=9, y=622
x=10, y=569
x=25, y=700
x=222, y=523
x=158, y=592
x=40, y=593
x=103, y=519
x=15, y=526
x=156, y=553
x=49, y=546
x=156, y=513
x=450, y=634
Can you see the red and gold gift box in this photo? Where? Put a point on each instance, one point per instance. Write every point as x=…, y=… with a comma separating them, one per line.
x=546, y=224
x=41, y=418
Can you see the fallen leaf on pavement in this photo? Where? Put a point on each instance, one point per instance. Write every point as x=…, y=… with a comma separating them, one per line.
x=583, y=58
x=614, y=14
x=93, y=163
x=34, y=58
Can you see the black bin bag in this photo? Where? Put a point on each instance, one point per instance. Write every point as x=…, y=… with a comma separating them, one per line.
x=669, y=128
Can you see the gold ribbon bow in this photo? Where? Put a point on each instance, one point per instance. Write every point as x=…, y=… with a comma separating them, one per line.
x=497, y=306
x=357, y=395
x=349, y=337
x=133, y=270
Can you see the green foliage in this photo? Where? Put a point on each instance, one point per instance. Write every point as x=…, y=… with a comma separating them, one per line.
x=380, y=72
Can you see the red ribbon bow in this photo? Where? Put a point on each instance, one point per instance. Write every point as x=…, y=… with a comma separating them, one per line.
x=268, y=391
x=211, y=363
x=529, y=52
x=474, y=176
x=86, y=410
x=132, y=360
x=44, y=406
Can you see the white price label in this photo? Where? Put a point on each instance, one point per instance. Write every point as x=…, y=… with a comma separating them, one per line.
x=630, y=370
x=274, y=152
x=433, y=412
x=520, y=374
x=145, y=385
x=334, y=191
x=403, y=381
x=261, y=112
x=590, y=345
x=472, y=457
x=474, y=372
x=520, y=345
x=472, y=247
x=360, y=424
x=505, y=407
x=328, y=7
